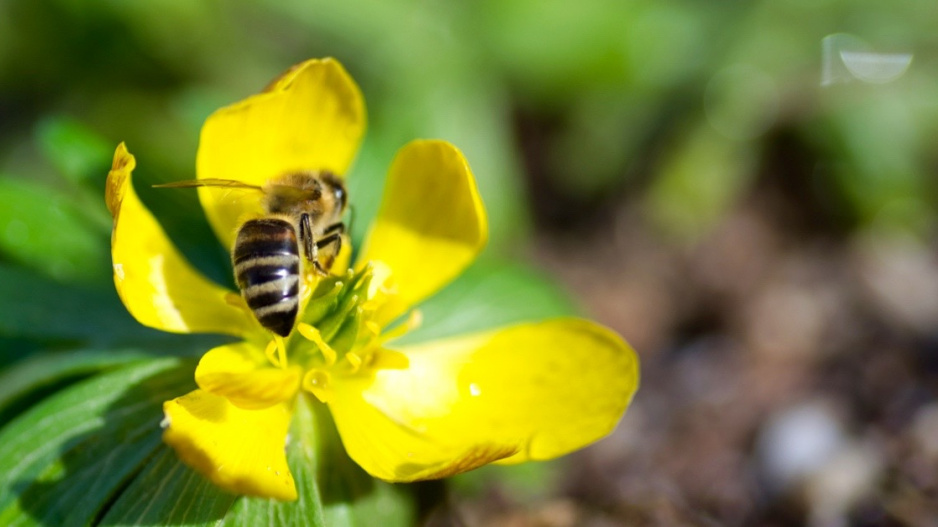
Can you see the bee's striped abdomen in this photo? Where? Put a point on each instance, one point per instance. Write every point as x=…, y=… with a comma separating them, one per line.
x=267, y=267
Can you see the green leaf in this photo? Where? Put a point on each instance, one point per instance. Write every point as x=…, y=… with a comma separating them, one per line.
x=38, y=308
x=65, y=459
x=76, y=151
x=699, y=181
x=489, y=295
x=44, y=229
x=93, y=453
x=34, y=306
x=530, y=482
x=333, y=490
x=168, y=492
x=40, y=371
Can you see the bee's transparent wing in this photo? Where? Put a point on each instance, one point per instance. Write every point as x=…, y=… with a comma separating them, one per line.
x=232, y=201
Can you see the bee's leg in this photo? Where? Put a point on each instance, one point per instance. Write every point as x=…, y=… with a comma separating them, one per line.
x=306, y=235
x=334, y=239
x=335, y=227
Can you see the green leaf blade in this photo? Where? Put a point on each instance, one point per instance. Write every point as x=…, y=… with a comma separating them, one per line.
x=168, y=492
x=489, y=295
x=44, y=228
x=333, y=491
x=33, y=373
x=65, y=458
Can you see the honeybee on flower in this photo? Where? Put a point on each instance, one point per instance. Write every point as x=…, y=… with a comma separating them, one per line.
x=404, y=412
x=302, y=212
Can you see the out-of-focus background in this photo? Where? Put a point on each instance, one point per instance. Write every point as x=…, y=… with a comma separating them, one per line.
x=744, y=190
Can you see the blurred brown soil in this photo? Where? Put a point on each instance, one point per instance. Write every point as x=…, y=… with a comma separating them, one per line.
x=789, y=373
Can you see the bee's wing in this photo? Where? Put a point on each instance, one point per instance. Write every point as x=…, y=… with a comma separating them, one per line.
x=235, y=198
x=208, y=182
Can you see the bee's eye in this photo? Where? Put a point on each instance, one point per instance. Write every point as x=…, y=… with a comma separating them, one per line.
x=338, y=189
x=339, y=196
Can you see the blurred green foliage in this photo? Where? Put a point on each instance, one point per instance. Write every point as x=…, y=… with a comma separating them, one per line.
x=674, y=107
x=671, y=102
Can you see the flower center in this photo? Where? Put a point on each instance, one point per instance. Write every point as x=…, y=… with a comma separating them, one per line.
x=339, y=333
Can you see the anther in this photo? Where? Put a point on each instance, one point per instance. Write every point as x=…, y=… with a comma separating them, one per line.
x=355, y=361
x=415, y=319
x=312, y=334
x=271, y=353
x=234, y=300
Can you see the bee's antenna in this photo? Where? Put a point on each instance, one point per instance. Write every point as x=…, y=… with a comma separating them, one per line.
x=208, y=182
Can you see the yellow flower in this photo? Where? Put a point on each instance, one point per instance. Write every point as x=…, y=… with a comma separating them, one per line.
x=404, y=412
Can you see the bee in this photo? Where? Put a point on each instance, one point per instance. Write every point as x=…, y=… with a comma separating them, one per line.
x=302, y=211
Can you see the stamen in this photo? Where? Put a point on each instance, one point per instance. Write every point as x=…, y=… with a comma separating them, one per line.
x=235, y=300
x=276, y=352
x=272, y=353
x=312, y=334
x=415, y=320
x=281, y=351
x=372, y=353
x=380, y=280
x=354, y=360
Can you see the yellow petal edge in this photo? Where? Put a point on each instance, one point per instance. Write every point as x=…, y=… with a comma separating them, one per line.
x=431, y=223
x=240, y=450
x=311, y=118
x=157, y=285
x=526, y=392
x=242, y=374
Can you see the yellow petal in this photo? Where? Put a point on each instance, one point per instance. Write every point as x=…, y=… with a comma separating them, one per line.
x=310, y=118
x=242, y=451
x=156, y=284
x=527, y=392
x=431, y=223
x=242, y=374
